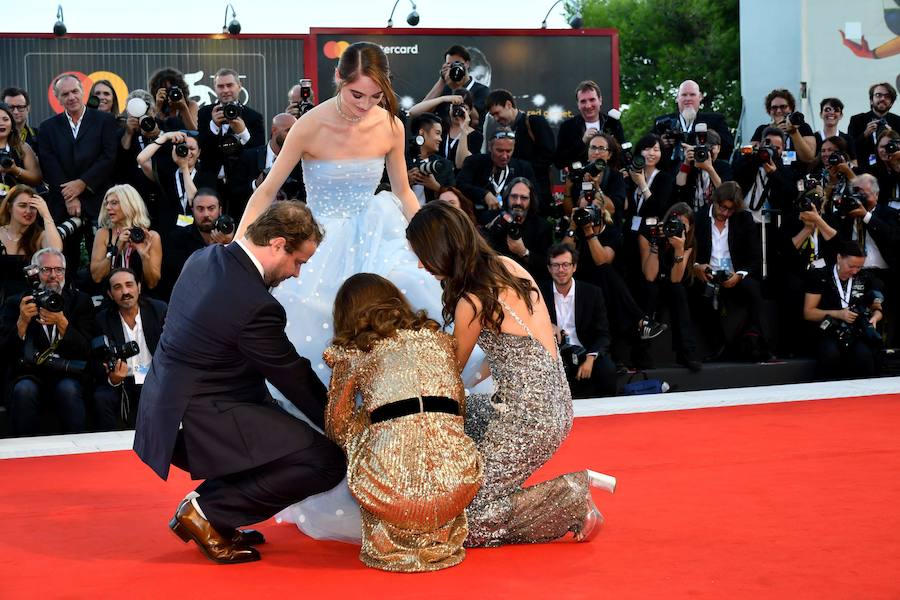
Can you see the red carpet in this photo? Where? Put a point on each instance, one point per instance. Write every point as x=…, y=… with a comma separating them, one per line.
x=795, y=500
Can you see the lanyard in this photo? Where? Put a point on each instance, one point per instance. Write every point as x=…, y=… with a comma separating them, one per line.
x=639, y=197
x=179, y=188
x=499, y=183
x=450, y=144
x=844, y=296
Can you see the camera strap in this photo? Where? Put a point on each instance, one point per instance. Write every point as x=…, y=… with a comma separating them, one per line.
x=179, y=189
x=842, y=294
x=498, y=183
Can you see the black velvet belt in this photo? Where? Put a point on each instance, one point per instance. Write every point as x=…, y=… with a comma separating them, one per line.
x=411, y=406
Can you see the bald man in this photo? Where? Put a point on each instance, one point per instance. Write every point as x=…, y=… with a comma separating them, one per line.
x=688, y=99
x=254, y=163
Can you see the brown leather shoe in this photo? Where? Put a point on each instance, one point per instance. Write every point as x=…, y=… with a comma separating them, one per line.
x=188, y=525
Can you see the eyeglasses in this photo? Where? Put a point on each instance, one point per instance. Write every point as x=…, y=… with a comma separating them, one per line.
x=56, y=270
x=829, y=109
x=509, y=135
x=779, y=107
x=562, y=265
x=727, y=209
x=17, y=107
x=880, y=95
x=598, y=148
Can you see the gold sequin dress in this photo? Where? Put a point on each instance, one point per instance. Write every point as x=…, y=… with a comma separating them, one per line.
x=414, y=475
x=517, y=430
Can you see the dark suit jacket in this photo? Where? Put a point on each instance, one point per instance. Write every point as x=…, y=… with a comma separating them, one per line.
x=91, y=158
x=213, y=160
x=539, y=151
x=713, y=121
x=153, y=315
x=591, y=322
x=743, y=241
x=781, y=185
x=474, y=177
x=250, y=163
x=168, y=205
x=569, y=145
x=209, y=372
x=177, y=249
x=864, y=145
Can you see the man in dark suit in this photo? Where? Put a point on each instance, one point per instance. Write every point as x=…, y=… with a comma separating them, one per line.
x=517, y=231
x=222, y=138
x=864, y=128
x=78, y=154
x=118, y=392
x=253, y=164
x=483, y=176
x=575, y=133
x=684, y=121
x=729, y=258
x=580, y=312
x=205, y=407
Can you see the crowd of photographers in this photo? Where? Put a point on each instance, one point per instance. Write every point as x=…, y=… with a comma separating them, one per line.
x=796, y=232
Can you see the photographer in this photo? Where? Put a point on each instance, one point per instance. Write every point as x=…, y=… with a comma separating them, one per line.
x=454, y=76
x=600, y=178
x=576, y=132
x=865, y=128
x=45, y=335
x=173, y=108
x=831, y=111
x=18, y=162
x=132, y=318
x=679, y=127
x=461, y=139
x=20, y=105
x=534, y=138
x=578, y=313
x=799, y=140
x=846, y=305
x=227, y=126
x=254, y=164
x=517, y=231
x=300, y=99
x=667, y=248
x=728, y=264
x=484, y=176
x=136, y=133
x=22, y=234
x=125, y=239
x=177, y=174
x=103, y=97
x=427, y=170
x=887, y=168
x=210, y=226
x=702, y=170
x=760, y=170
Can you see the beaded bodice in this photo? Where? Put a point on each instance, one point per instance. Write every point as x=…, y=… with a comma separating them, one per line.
x=340, y=189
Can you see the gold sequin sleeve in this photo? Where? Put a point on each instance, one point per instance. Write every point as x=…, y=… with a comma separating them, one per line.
x=343, y=419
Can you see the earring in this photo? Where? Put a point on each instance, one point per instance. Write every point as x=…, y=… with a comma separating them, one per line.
x=420, y=140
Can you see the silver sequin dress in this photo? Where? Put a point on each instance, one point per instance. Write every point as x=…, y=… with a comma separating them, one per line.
x=517, y=430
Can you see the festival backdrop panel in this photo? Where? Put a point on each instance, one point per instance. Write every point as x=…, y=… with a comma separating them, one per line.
x=541, y=70
x=268, y=67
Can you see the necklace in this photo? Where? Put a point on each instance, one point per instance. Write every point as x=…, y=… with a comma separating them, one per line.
x=337, y=103
x=9, y=235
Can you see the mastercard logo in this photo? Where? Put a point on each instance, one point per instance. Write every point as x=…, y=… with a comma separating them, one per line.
x=334, y=49
x=87, y=81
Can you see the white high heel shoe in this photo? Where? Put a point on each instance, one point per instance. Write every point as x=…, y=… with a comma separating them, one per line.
x=602, y=481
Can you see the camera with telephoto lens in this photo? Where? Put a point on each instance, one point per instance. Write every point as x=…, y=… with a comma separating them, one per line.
x=633, y=162
x=671, y=227
x=182, y=149
x=670, y=127
x=571, y=354
x=435, y=165
x=147, y=123
x=861, y=329
x=701, y=153
x=808, y=200
x=701, y=147
x=59, y=365
x=46, y=299
x=848, y=200
x=587, y=215
x=457, y=71
x=108, y=353
x=505, y=225
x=232, y=110
x=594, y=169
x=892, y=147
x=795, y=118
x=69, y=226
x=137, y=235
x=175, y=94
x=305, y=104
x=6, y=159
x=224, y=225
x=767, y=152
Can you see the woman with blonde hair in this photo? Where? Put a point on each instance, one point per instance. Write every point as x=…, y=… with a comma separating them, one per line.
x=125, y=238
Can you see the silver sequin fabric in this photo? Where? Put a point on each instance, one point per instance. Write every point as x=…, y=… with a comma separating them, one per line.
x=517, y=430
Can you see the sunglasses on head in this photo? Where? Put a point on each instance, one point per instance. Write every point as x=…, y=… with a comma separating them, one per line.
x=500, y=135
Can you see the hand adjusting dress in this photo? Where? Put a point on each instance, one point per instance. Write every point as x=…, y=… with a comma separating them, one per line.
x=412, y=475
x=517, y=430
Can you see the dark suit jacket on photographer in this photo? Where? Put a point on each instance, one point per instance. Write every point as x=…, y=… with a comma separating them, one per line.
x=713, y=121
x=169, y=205
x=884, y=229
x=213, y=159
x=780, y=187
x=249, y=165
x=591, y=322
x=537, y=235
x=153, y=315
x=743, y=242
x=474, y=178
x=74, y=345
x=570, y=146
x=864, y=145
x=535, y=143
x=687, y=193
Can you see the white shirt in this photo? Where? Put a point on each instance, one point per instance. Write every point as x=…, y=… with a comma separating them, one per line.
x=874, y=258
x=721, y=256
x=76, y=126
x=594, y=125
x=565, y=312
x=243, y=137
x=138, y=365
x=243, y=246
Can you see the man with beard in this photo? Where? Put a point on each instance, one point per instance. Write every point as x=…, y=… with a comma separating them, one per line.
x=683, y=122
x=518, y=231
x=484, y=176
x=184, y=241
x=48, y=341
x=864, y=128
x=134, y=318
x=254, y=163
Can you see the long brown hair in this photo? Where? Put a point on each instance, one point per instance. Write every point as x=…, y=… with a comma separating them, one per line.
x=30, y=242
x=448, y=245
x=366, y=58
x=464, y=203
x=368, y=308
x=13, y=138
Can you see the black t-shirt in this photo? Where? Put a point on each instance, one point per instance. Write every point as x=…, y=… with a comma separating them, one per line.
x=821, y=281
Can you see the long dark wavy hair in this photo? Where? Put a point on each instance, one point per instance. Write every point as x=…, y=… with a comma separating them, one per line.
x=368, y=308
x=366, y=58
x=30, y=241
x=446, y=242
x=13, y=138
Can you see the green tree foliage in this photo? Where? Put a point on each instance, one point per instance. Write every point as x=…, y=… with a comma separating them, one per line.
x=664, y=42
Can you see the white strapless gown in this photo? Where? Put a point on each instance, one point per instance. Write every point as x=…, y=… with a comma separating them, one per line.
x=364, y=233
